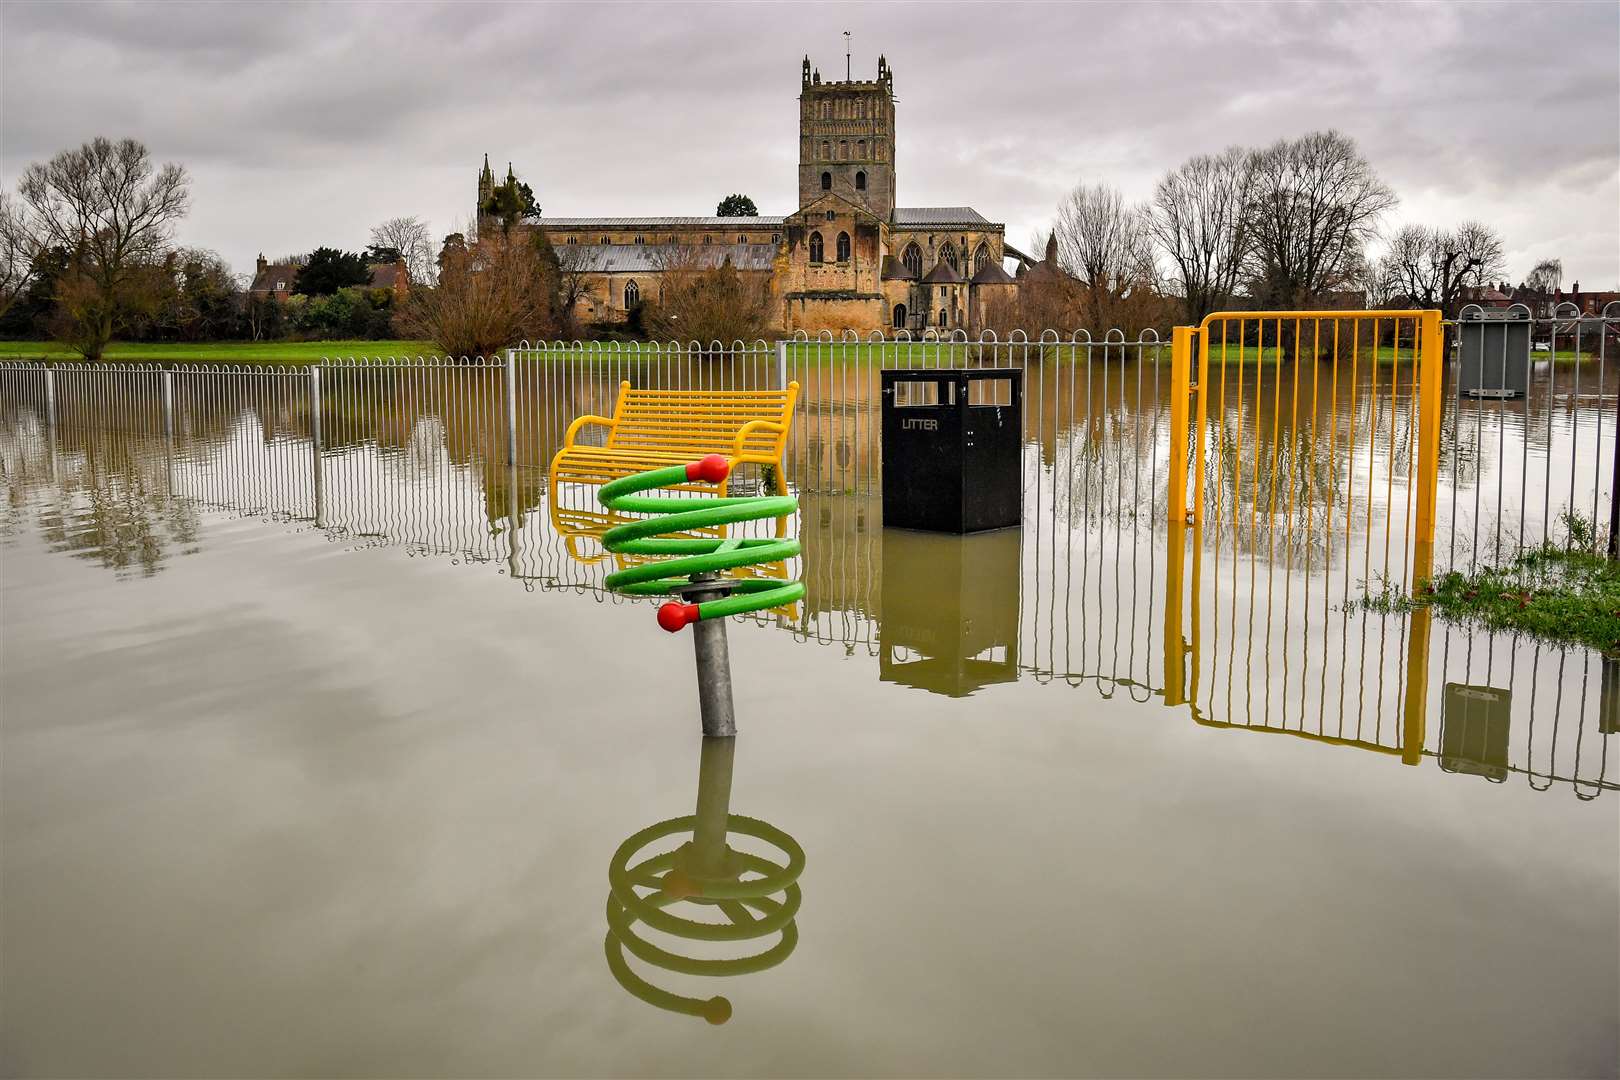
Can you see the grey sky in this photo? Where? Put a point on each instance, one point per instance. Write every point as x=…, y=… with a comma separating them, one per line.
x=306, y=125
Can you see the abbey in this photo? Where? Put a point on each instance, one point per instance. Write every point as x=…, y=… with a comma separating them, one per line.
x=847, y=258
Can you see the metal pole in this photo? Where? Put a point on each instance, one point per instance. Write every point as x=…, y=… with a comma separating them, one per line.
x=781, y=365
x=315, y=438
x=168, y=402
x=713, y=659
x=50, y=398
x=511, y=406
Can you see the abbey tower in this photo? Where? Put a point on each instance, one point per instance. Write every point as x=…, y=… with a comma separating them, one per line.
x=846, y=139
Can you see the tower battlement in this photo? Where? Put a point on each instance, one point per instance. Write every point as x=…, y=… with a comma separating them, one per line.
x=846, y=139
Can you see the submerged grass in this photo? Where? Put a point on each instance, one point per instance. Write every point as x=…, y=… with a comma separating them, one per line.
x=1564, y=595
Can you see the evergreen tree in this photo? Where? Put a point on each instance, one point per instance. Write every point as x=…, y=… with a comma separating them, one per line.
x=736, y=206
x=329, y=270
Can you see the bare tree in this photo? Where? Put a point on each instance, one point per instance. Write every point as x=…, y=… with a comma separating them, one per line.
x=17, y=252
x=1376, y=279
x=705, y=301
x=1197, y=219
x=1546, y=278
x=410, y=237
x=575, y=265
x=1431, y=267
x=114, y=213
x=1314, y=204
x=1103, y=244
x=488, y=296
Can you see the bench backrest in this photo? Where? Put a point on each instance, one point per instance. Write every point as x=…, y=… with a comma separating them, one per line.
x=700, y=421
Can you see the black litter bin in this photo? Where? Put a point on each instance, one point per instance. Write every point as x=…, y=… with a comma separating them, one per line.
x=952, y=441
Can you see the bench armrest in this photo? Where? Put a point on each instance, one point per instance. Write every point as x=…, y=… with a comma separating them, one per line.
x=573, y=429
x=749, y=428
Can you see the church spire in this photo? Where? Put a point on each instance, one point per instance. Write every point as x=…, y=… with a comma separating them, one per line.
x=486, y=174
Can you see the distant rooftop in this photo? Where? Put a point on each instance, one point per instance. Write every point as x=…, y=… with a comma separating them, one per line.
x=938, y=215
x=655, y=222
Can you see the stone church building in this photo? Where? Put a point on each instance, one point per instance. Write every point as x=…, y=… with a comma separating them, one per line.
x=847, y=258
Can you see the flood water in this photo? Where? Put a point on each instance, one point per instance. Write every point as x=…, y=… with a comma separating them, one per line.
x=316, y=763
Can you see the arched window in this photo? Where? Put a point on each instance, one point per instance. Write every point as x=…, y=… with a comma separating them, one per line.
x=913, y=258
x=981, y=257
x=607, y=240
x=573, y=239
x=860, y=149
x=843, y=150
x=816, y=249
x=843, y=247
x=632, y=295
x=860, y=181
x=826, y=150
x=826, y=110
x=899, y=316
x=741, y=239
x=826, y=181
x=641, y=239
x=708, y=239
x=948, y=253
x=942, y=316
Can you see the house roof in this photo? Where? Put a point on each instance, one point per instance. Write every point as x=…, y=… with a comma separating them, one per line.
x=938, y=215
x=660, y=222
x=942, y=274
x=991, y=273
x=650, y=258
x=388, y=275
x=265, y=280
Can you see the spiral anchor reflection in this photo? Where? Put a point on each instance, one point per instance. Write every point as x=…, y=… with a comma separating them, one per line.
x=757, y=896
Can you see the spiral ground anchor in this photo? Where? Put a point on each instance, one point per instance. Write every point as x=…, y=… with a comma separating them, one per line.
x=692, y=568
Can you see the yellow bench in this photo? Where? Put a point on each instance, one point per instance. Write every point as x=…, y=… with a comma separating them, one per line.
x=653, y=428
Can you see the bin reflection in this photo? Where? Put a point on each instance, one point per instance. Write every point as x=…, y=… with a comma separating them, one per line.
x=949, y=610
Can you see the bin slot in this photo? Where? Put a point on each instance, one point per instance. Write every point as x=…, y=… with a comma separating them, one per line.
x=988, y=392
x=916, y=393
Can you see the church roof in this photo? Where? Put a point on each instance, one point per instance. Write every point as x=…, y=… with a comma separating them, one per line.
x=651, y=258
x=938, y=215
x=991, y=273
x=896, y=270
x=655, y=222
x=942, y=274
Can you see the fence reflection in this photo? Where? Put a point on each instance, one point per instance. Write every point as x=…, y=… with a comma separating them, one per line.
x=115, y=465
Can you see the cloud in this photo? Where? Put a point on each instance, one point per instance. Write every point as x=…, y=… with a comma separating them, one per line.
x=305, y=125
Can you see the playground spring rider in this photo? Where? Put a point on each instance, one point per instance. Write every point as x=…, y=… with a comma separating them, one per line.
x=706, y=597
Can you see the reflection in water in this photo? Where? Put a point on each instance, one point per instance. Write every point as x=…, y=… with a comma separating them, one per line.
x=1242, y=622
x=758, y=896
x=950, y=610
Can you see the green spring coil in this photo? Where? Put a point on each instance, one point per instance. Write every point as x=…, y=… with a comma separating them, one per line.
x=681, y=557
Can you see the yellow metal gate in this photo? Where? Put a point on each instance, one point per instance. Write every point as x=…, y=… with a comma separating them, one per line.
x=1300, y=437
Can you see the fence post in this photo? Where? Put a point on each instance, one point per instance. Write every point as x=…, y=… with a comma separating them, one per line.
x=315, y=439
x=50, y=397
x=168, y=402
x=1180, y=370
x=1431, y=367
x=781, y=365
x=511, y=406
